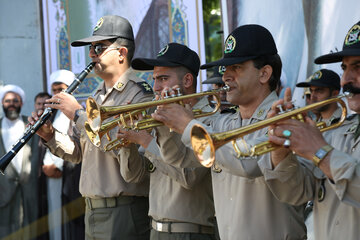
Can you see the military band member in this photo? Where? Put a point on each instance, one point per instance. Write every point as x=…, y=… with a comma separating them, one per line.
x=324, y=84
x=329, y=174
x=181, y=201
x=115, y=209
x=244, y=205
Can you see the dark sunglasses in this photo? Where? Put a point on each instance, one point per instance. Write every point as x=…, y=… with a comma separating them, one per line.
x=99, y=48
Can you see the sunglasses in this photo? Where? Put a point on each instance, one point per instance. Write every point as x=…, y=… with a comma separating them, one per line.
x=99, y=48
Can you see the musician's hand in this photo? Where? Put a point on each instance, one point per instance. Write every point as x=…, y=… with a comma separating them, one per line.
x=174, y=116
x=139, y=137
x=52, y=171
x=65, y=102
x=281, y=104
x=46, y=131
x=278, y=155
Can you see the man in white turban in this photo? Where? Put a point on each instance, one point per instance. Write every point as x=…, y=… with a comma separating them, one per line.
x=18, y=186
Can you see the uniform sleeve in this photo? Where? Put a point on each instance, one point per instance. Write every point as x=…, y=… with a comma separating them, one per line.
x=133, y=164
x=65, y=146
x=173, y=151
x=186, y=177
x=345, y=170
x=291, y=181
x=227, y=159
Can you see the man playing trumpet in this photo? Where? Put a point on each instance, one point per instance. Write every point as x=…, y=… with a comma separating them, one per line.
x=180, y=199
x=245, y=207
x=329, y=174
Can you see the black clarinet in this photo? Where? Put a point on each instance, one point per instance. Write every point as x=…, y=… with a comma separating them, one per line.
x=31, y=130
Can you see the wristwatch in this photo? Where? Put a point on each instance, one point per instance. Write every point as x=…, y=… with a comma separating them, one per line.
x=321, y=154
x=77, y=114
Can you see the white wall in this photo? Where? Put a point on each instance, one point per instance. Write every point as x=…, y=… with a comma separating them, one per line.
x=20, y=48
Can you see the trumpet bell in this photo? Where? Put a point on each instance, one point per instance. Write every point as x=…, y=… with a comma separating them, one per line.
x=93, y=114
x=203, y=145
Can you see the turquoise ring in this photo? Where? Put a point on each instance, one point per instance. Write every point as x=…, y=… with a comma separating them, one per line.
x=286, y=133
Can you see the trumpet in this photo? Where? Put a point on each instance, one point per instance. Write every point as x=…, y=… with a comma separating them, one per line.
x=205, y=144
x=96, y=128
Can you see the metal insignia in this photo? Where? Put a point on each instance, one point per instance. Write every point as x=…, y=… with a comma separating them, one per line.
x=151, y=167
x=98, y=24
x=230, y=44
x=216, y=168
x=119, y=85
x=163, y=50
x=145, y=87
x=353, y=36
x=316, y=75
x=260, y=113
x=322, y=191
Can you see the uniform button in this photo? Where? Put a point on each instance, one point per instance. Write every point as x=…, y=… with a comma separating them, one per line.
x=353, y=149
x=337, y=222
x=231, y=199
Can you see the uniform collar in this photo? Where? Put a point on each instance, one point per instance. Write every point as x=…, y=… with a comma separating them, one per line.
x=121, y=82
x=262, y=110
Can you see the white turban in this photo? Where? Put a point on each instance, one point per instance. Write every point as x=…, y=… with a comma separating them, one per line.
x=62, y=76
x=12, y=88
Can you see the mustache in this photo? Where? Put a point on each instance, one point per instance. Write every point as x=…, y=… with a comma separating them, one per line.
x=350, y=88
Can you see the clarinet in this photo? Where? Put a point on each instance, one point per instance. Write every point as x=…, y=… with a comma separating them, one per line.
x=31, y=130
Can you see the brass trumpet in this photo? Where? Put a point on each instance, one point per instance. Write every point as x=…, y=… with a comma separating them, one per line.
x=96, y=128
x=205, y=144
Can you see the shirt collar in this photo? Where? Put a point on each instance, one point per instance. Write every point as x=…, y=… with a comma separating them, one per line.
x=121, y=82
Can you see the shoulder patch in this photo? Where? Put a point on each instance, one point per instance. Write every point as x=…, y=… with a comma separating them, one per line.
x=145, y=87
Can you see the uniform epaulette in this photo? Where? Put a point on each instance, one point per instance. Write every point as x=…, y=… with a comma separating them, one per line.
x=145, y=87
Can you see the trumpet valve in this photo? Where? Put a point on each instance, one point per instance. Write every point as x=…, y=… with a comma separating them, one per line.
x=280, y=107
x=178, y=92
x=108, y=136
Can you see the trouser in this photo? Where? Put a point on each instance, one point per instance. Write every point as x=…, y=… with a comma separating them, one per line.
x=123, y=217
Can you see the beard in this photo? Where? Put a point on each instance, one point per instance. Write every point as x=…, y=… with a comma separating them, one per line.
x=12, y=114
x=323, y=108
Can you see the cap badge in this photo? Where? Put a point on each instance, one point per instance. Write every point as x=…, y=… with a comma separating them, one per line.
x=353, y=35
x=98, y=24
x=230, y=44
x=222, y=69
x=316, y=75
x=163, y=50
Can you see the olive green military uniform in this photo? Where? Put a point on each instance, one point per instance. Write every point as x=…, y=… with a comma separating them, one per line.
x=244, y=205
x=336, y=202
x=181, y=201
x=105, y=191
